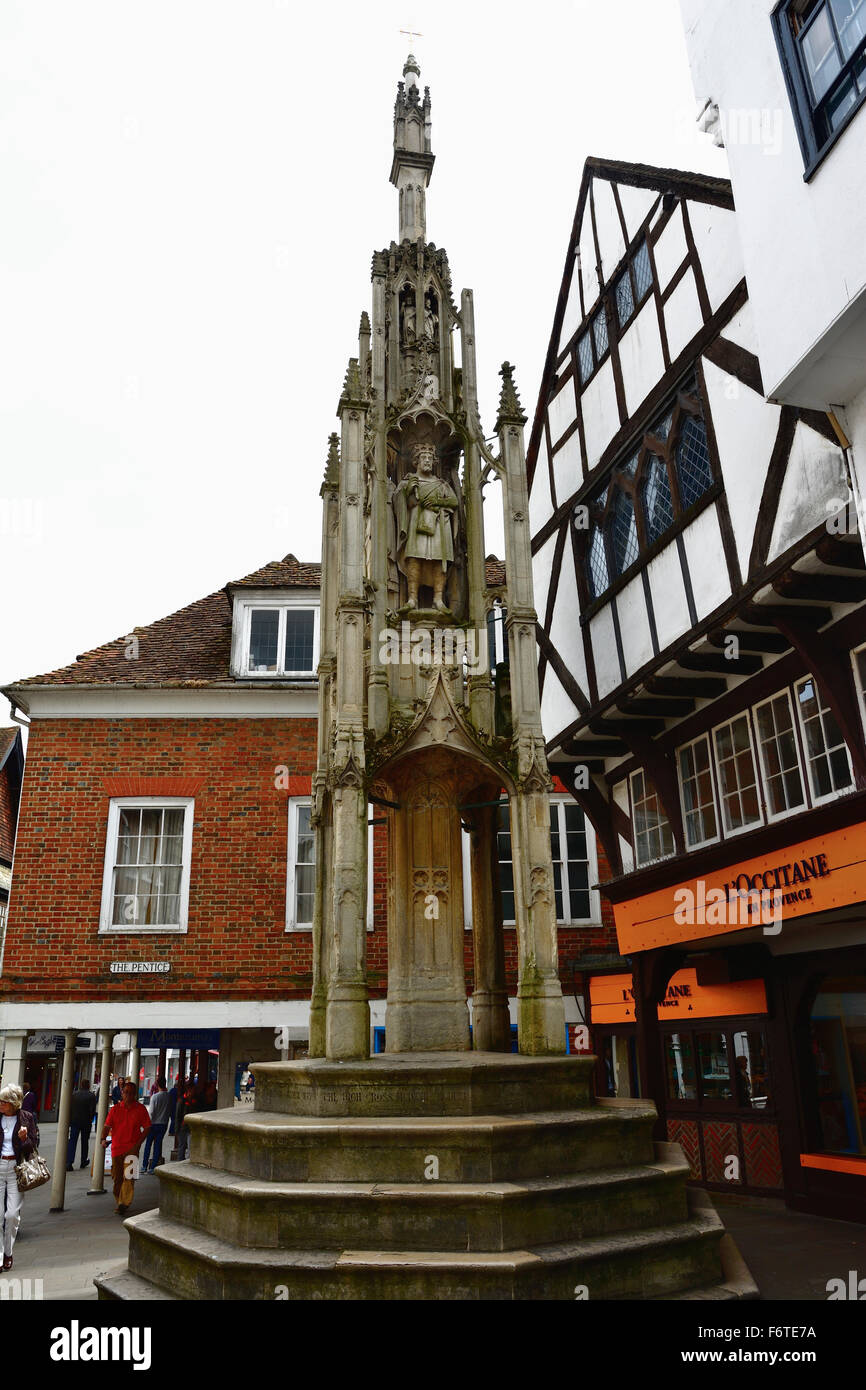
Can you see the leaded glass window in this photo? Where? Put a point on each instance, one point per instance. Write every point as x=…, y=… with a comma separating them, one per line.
x=597, y=555
x=657, y=503
x=585, y=361
x=624, y=298
x=625, y=542
x=826, y=750
x=643, y=275
x=693, y=462
x=599, y=333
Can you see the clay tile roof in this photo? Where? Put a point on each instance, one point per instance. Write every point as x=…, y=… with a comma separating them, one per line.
x=7, y=738
x=299, y=574
x=190, y=647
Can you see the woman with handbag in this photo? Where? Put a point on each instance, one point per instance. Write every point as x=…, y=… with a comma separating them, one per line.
x=20, y=1137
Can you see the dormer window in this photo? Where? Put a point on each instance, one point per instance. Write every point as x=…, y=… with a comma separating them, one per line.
x=275, y=636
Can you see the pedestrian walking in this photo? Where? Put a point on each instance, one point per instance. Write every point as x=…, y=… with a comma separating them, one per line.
x=160, y=1111
x=81, y=1112
x=126, y=1125
x=30, y=1102
x=20, y=1136
x=117, y=1093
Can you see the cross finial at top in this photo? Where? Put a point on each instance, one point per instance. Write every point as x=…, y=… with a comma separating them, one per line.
x=411, y=34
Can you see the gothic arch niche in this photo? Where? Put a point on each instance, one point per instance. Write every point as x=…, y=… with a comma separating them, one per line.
x=441, y=535
x=437, y=793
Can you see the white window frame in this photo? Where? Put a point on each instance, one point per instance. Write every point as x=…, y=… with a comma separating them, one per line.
x=710, y=839
x=241, y=633
x=860, y=688
x=759, y=786
x=592, y=873
x=660, y=858
x=823, y=708
x=115, y=806
x=291, y=863
x=773, y=816
x=557, y=804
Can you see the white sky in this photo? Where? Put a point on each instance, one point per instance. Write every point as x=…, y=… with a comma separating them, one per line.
x=192, y=191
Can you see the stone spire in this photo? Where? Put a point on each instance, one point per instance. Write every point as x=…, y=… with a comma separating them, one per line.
x=332, y=466
x=413, y=162
x=510, y=409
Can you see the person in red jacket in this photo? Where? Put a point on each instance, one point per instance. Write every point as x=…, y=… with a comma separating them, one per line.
x=126, y=1124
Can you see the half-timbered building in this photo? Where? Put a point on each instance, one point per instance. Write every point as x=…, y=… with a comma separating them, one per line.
x=702, y=651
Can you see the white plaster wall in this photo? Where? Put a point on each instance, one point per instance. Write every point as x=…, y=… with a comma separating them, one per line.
x=708, y=568
x=745, y=426
x=557, y=709
x=813, y=489
x=562, y=411
x=542, y=566
x=804, y=244
x=604, y=656
x=634, y=626
x=626, y=854
x=567, y=468
x=587, y=259
x=741, y=329
x=619, y=793
x=600, y=413
x=640, y=355
x=608, y=226
x=670, y=250
x=540, y=504
x=636, y=203
x=565, y=630
x=668, y=592
x=718, y=246
x=683, y=318
x=572, y=312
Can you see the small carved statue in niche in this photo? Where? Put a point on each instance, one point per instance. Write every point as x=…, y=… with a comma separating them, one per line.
x=407, y=304
x=431, y=318
x=424, y=507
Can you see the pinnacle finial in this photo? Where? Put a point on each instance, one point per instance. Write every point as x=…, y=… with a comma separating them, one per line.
x=353, y=389
x=365, y=322
x=510, y=409
x=332, y=466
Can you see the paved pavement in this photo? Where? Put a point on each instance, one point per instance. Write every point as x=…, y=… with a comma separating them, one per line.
x=791, y=1256
x=66, y=1249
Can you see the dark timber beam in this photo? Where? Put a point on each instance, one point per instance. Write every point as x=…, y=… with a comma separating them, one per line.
x=767, y=615
x=840, y=553
x=751, y=641
x=689, y=687
x=722, y=665
x=822, y=588
x=593, y=748
x=654, y=705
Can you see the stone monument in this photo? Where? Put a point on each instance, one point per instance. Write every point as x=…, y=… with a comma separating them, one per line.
x=447, y=1167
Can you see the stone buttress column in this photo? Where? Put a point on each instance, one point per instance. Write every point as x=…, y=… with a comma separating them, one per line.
x=378, y=701
x=491, y=1026
x=347, y=1023
x=540, y=1008
x=480, y=690
x=321, y=802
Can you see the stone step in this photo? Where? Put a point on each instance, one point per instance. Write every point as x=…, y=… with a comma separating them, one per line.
x=490, y=1148
x=425, y=1083
x=424, y=1216
x=121, y=1286
x=659, y=1262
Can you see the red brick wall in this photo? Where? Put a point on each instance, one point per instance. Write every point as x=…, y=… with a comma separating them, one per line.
x=7, y=819
x=236, y=946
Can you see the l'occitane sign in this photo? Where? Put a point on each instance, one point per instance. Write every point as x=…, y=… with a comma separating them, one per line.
x=812, y=876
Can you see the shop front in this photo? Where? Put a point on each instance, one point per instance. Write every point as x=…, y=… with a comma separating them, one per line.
x=752, y=1035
